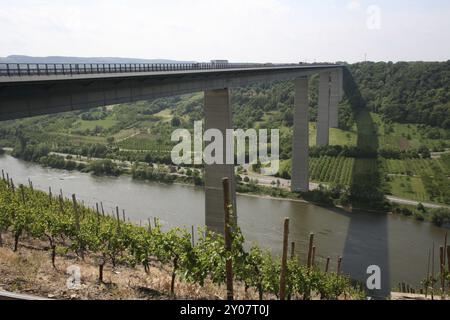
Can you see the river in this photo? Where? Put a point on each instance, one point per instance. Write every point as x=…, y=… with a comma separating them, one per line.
x=398, y=245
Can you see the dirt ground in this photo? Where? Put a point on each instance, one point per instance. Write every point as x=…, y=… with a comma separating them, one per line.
x=29, y=271
x=410, y=296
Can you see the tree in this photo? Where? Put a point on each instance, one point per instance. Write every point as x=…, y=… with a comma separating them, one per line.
x=176, y=122
x=288, y=118
x=440, y=216
x=424, y=152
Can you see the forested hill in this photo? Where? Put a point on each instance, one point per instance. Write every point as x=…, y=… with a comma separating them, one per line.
x=408, y=92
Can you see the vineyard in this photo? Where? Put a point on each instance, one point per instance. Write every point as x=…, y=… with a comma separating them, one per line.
x=145, y=142
x=418, y=167
x=336, y=170
x=420, y=179
x=70, y=227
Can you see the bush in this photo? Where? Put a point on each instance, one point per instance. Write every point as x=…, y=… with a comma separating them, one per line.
x=403, y=211
x=104, y=167
x=419, y=216
x=440, y=216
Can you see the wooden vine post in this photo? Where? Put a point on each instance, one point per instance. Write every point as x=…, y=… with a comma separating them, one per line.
x=310, y=250
x=432, y=273
x=284, y=260
x=76, y=213
x=101, y=265
x=50, y=196
x=118, y=219
x=339, y=266
x=77, y=222
x=448, y=262
x=228, y=240
x=445, y=247
x=313, y=260
x=327, y=266
x=149, y=226
x=448, y=258
x=61, y=203
x=444, y=262
x=427, y=282
x=97, y=211
x=442, y=267
x=22, y=193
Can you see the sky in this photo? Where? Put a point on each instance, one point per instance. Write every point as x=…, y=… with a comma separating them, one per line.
x=236, y=30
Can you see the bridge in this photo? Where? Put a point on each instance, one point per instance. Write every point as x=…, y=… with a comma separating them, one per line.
x=36, y=89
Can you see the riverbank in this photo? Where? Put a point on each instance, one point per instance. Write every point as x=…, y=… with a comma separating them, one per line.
x=176, y=174
x=320, y=195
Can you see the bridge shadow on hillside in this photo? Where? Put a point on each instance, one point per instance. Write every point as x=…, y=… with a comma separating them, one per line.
x=367, y=240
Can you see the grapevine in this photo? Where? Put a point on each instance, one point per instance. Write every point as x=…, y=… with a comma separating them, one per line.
x=66, y=224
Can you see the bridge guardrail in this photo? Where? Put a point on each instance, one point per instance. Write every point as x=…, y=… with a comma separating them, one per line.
x=49, y=69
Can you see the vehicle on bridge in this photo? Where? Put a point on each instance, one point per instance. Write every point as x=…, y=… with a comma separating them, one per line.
x=219, y=62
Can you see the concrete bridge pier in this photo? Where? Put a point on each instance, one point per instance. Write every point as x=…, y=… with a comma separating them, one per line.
x=300, y=145
x=323, y=115
x=341, y=83
x=335, y=98
x=218, y=115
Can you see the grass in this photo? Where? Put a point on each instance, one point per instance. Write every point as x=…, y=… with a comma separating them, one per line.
x=416, y=167
x=165, y=115
x=402, y=136
x=123, y=134
x=63, y=138
x=409, y=188
x=337, y=136
x=106, y=123
x=146, y=141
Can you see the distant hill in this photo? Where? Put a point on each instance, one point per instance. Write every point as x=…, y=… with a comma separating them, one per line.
x=62, y=59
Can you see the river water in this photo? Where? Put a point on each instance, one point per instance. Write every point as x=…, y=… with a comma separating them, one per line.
x=398, y=245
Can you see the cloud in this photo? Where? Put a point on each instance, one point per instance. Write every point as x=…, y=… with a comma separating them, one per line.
x=237, y=30
x=354, y=5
